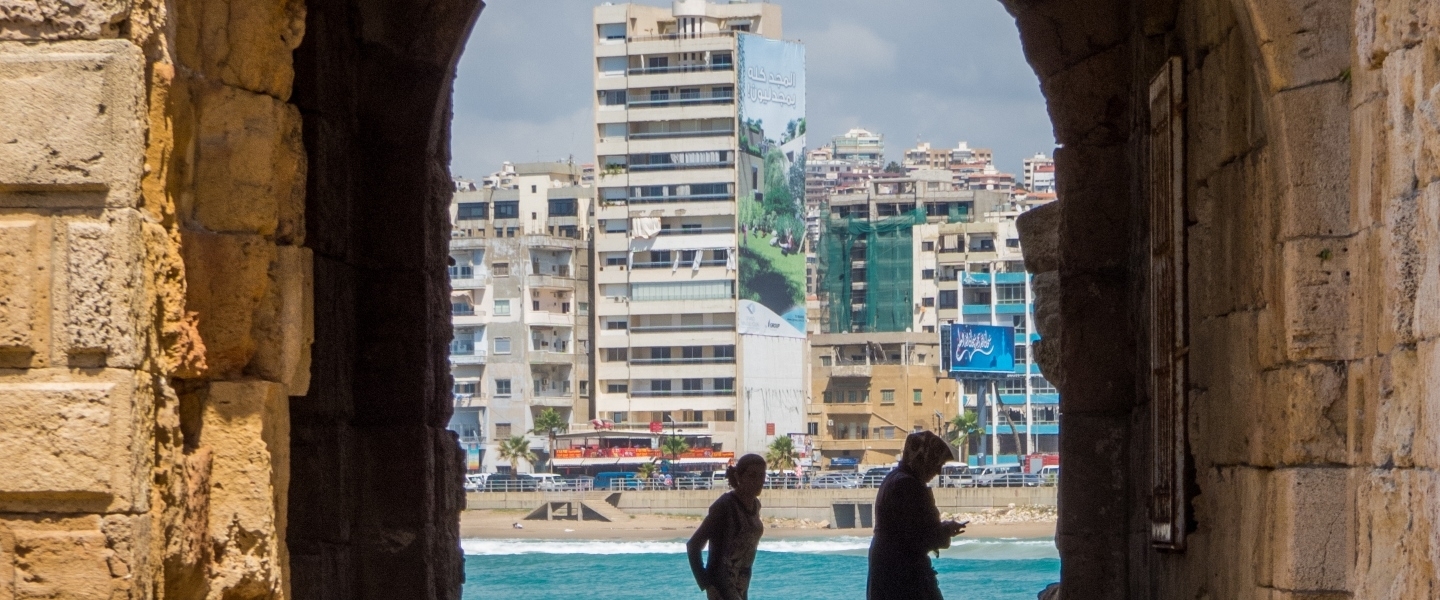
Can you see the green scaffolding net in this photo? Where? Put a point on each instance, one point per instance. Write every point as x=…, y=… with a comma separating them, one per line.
x=879, y=254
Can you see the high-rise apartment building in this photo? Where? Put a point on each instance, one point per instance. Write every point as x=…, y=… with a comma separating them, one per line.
x=860, y=147
x=1039, y=174
x=700, y=242
x=899, y=259
x=970, y=168
x=520, y=299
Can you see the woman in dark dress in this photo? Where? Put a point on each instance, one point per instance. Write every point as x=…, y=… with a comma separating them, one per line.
x=908, y=526
x=733, y=530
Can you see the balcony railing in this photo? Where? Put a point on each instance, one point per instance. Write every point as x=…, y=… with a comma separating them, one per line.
x=462, y=311
x=680, y=36
x=651, y=135
x=683, y=100
x=696, y=230
x=680, y=69
x=680, y=393
x=686, y=198
x=674, y=328
x=716, y=360
x=724, y=164
x=684, y=264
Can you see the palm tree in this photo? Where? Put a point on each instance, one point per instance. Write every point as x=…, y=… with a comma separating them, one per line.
x=548, y=423
x=647, y=472
x=959, y=429
x=781, y=455
x=674, y=446
x=516, y=449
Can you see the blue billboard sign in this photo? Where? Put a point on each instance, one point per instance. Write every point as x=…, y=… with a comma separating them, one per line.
x=977, y=349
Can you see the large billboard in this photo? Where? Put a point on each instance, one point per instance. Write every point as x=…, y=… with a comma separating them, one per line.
x=771, y=190
x=981, y=349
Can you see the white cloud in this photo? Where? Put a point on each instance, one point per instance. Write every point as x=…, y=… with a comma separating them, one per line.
x=846, y=49
x=479, y=143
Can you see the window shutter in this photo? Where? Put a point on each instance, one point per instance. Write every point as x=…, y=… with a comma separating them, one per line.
x=1168, y=339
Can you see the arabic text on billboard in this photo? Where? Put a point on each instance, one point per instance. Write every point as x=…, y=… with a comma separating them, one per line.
x=772, y=176
x=982, y=349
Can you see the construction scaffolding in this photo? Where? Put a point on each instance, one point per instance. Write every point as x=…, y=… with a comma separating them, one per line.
x=882, y=253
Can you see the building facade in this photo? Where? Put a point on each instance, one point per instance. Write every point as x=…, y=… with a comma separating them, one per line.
x=900, y=259
x=520, y=303
x=700, y=239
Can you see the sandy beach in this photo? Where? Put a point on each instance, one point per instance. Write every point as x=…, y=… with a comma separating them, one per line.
x=499, y=524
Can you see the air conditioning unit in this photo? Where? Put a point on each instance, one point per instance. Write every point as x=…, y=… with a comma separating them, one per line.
x=829, y=422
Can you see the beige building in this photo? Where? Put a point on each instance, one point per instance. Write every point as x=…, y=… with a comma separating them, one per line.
x=520, y=304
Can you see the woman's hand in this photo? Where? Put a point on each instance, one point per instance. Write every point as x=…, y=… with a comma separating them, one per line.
x=954, y=528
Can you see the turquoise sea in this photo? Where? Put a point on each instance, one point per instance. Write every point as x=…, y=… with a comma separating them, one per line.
x=790, y=569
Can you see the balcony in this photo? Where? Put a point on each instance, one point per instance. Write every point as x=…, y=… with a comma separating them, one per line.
x=845, y=369
x=472, y=282
x=719, y=164
x=726, y=360
x=674, y=328
x=536, y=357
x=665, y=135
x=680, y=393
x=680, y=69
x=686, y=198
x=680, y=36
x=467, y=356
x=697, y=230
x=560, y=281
x=683, y=264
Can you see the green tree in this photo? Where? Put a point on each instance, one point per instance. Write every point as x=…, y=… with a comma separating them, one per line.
x=647, y=471
x=781, y=455
x=516, y=449
x=548, y=423
x=894, y=167
x=673, y=446
x=959, y=429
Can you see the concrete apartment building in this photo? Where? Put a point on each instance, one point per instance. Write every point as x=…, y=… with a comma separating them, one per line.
x=1038, y=174
x=699, y=243
x=520, y=304
x=899, y=258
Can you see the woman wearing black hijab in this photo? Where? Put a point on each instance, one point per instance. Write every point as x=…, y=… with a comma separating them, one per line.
x=908, y=526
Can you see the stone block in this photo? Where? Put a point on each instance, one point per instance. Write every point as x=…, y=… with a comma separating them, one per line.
x=247, y=45
x=284, y=323
x=1426, y=239
x=1097, y=351
x=73, y=440
x=73, y=123
x=1411, y=80
x=1396, y=556
x=227, y=278
x=51, y=20
x=1385, y=26
x=1315, y=123
x=1040, y=236
x=1227, y=400
x=79, y=558
x=1320, y=296
x=1302, y=42
x=250, y=173
x=1311, y=529
x=100, y=294
x=1301, y=416
x=25, y=306
x=247, y=431
x=1095, y=216
x=1226, y=246
x=1085, y=101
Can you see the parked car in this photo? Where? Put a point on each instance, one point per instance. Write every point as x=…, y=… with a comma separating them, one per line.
x=1050, y=474
x=549, y=482
x=580, y=483
x=835, y=481
x=775, y=480
x=508, y=482
x=1013, y=480
x=475, y=482
x=718, y=480
x=693, y=481
x=955, y=474
x=980, y=476
x=873, y=477
x=618, y=480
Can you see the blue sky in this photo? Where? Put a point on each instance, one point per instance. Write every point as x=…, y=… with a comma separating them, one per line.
x=937, y=70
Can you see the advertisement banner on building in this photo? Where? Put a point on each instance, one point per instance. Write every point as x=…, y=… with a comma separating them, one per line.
x=771, y=186
x=975, y=349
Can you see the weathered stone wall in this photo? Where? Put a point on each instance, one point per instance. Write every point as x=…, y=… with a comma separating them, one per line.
x=1312, y=187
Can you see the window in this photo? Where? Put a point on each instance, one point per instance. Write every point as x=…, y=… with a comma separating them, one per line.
x=1010, y=293
x=1040, y=385
x=1012, y=242
x=612, y=65
x=507, y=209
x=473, y=210
x=725, y=415
x=620, y=416
x=826, y=361
x=502, y=346
x=660, y=385
x=927, y=274
x=510, y=232
x=927, y=301
x=616, y=225
x=687, y=290
x=917, y=397
x=660, y=256
x=582, y=308
x=887, y=396
x=617, y=354
x=828, y=398
x=927, y=246
x=812, y=428
x=721, y=59
x=612, y=97
x=502, y=387
x=502, y=430
x=615, y=259
x=692, y=385
x=724, y=352
x=584, y=388
x=659, y=95
x=612, y=31
x=562, y=207
x=617, y=388
x=1020, y=354
x=615, y=290
x=691, y=352
x=1012, y=385
x=617, y=324
x=709, y=189
x=725, y=384
x=467, y=388
x=852, y=396
x=500, y=269
x=949, y=299
x=502, y=308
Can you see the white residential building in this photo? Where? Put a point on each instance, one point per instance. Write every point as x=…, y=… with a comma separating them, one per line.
x=700, y=247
